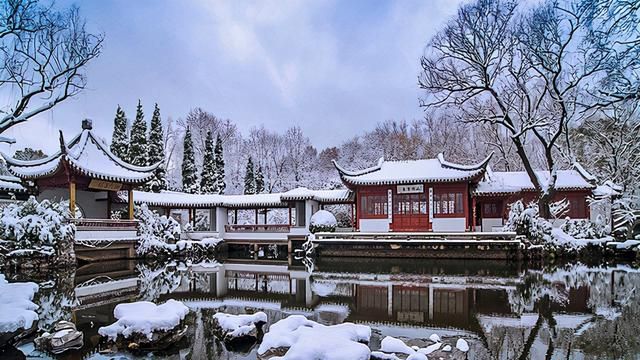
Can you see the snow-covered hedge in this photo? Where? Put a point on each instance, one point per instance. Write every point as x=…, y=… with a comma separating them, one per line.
x=17, y=310
x=34, y=227
x=155, y=231
x=573, y=236
x=322, y=221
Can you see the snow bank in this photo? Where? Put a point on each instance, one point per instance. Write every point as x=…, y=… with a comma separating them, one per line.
x=390, y=346
x=144, y=317
x=16, y=308
x=234, y=326
x=305, y=339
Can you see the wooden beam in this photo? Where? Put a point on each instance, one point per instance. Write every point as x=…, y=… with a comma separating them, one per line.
x=72, y=199
x=130, y=202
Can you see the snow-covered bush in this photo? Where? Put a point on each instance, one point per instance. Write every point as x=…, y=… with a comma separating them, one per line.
x=525, y=220
x=154, y=230
x=34, y=226
x=322, y=221
x=585, y=229
x=202, y=222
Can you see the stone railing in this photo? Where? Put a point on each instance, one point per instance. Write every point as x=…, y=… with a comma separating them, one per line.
x=268, y=228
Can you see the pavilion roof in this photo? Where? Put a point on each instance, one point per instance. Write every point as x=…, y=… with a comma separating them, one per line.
x=85, y=154
x=177, y=199
x=511, y=182
x=412, y=171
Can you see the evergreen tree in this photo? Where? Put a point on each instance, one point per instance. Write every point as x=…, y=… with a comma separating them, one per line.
x=120, y=137
x=259, y=181
x=208, y=177
x=189, y=171
x=219, y=167
x=249, y=178
x=156, y=153
x=139, y=149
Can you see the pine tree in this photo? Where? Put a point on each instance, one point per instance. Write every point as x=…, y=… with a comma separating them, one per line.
x=120, y=137
x=189, y=171
x=156, y=153
x=249, y=178
x=139, y=149
x=208, y=177
x=221, y=185
x=259, y=181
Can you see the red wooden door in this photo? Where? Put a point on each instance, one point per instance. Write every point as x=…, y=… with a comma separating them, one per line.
x=410, y=212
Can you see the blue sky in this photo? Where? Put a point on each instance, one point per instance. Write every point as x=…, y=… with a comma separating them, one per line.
x=333, y=68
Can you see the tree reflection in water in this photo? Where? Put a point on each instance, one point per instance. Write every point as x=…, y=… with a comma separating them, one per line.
x=506, y=310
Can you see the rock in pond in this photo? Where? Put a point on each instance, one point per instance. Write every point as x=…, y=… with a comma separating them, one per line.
x=64, y=337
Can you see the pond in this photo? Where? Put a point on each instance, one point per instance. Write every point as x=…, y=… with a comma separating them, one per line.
x=504, y=310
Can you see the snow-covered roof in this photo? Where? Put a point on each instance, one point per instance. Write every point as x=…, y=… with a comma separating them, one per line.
x=11, y=184
x=511, y=182
x=412, y=171
x=86, y=154
x=176, y=199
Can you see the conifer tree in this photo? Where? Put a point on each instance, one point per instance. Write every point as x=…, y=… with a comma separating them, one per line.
x=221, y=185
x=208, y=177
x=259, y=181
x=120, y=137
x=139, y=148
x=156, y=153
x=189, y=171
x=249, y=178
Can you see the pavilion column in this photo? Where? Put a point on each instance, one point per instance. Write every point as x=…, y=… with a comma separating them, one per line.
x=130, y=201
x=256, y=217
x=72, y=199
x=473, y=213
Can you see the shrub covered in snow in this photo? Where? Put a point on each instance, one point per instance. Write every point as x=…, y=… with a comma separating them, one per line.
x=525, y=220
x=34, y=227
x=154, y=230
x=230, y=327
x=322, y=221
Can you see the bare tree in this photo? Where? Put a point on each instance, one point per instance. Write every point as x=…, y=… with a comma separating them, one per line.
x=43, y=54
x=520, y=73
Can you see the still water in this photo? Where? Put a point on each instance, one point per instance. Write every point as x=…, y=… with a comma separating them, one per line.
x=504, y=310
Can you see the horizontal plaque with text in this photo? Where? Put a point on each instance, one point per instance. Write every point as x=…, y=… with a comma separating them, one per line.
x=104, y=185
x=410, y=189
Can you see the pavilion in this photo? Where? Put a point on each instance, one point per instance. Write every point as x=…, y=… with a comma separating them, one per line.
x=85, y=172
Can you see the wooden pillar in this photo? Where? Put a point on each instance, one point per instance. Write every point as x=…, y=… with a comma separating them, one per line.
x=130, y=201
x=72, y=199
x=266, y=211
x=235, y=216
x=256, y=217
x=473, y=213
x=289, y=214
x=108, y=205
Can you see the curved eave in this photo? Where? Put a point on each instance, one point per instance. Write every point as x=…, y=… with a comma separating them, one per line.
x=33, y=176
x=343, y=171
x=474, y=176
x=479, y=166
x=116, y=159
x=101, y=176
x=255, y=205
x=494, y=193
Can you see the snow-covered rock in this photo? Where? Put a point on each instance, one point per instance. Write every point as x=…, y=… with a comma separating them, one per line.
x=17, y=310
x=297, y=338
x=144, y=318
x=462, y=345
x=231, y=326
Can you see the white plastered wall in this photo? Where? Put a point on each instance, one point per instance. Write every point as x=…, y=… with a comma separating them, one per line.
x=449, y=224
x=374, y=225
x=491, y=224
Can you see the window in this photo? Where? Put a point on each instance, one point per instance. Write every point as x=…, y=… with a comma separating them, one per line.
x=448, y=203
x=373, y=205
x=492, y=209
x=405, y=204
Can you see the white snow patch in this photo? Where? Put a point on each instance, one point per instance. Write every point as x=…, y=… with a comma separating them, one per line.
x=239, y=325
x=16, y=308
x=306, y=339
x=144, y=317
x=323, y=218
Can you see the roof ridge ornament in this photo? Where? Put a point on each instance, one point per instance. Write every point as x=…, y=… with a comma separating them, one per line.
x=87, y=124
x=63, y=145
x=471, y=167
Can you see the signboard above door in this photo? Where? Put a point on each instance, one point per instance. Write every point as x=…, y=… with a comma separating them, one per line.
x=410, y=189
x=104, y=185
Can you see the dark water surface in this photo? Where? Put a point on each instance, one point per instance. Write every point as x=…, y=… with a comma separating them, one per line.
x=504, y=310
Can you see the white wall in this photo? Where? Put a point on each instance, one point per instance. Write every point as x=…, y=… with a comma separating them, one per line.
x=374, y=225
x=448, y=224
x=491, y=224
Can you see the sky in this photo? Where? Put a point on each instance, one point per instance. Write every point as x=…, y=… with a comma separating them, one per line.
x=334, y=68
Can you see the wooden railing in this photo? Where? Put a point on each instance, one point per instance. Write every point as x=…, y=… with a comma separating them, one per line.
x=110, y=224
x=439, y=236
x=275, y=228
